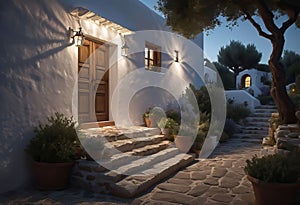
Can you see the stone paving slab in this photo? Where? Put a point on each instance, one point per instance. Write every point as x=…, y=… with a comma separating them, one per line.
x=217, y=180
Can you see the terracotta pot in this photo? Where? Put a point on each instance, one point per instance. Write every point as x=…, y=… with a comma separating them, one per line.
x=147, y=121
x=184, y=143
x=52, y=176
x=274, y=193
x=165, y=132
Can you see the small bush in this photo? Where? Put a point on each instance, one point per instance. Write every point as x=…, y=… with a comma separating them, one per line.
x=224, y=137
x=55, y=141
x=265, y=99
x=237, y=112
x=275, y=168
x=173, y=114
x=229, y=127
x=296, y=99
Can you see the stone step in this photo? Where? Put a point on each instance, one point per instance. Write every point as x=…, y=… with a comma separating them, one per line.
x=252, y=136
x=259, y=110
x=252, y=141
x=257, y=132
x=257, y=119
x=112, y=133
x=249, y=127
x=134, y=143
x=266, y=107
x=264, y=125
x=268, y=115
x=134, y=185
x=133, y=165
x=134, y=176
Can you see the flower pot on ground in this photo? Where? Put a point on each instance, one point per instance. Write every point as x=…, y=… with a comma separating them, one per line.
x=53, y=150
x=185, y=138
x=146, y=117
x=275, y=178
x=168, y=127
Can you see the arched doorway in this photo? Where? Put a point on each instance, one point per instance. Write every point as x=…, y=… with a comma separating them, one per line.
x=246, y=81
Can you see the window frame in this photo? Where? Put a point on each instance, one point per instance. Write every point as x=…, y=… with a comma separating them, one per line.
x=152, y=60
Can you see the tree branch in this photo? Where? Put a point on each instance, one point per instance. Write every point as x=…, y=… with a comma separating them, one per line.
x=292, y=19
x=267, y=16
x=257, y=26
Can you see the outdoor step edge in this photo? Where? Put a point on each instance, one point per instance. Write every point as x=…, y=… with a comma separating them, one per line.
x=135, y=167
x=137, y=142
x=121, y=190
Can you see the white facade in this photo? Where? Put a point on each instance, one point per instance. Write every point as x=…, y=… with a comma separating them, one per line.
x=256, y=79
x=242, y=97
x=39, y=68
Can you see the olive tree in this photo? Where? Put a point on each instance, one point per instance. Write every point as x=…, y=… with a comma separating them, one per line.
x=190, y=17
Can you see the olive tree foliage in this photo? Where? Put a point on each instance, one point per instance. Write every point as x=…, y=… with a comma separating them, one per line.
x=291, y=62
x=238, y=57
x=190, y=17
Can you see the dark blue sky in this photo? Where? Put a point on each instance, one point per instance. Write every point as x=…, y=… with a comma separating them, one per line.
x=245, y=33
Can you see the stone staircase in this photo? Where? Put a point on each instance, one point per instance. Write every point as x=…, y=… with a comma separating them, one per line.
x=129, y=161
x=257, y=124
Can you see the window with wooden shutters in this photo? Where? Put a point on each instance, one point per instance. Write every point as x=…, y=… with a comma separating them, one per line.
x=152, y=57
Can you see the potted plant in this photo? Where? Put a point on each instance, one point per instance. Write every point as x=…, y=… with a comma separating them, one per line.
x=275, y=178
x=146, y=117
x=53, y=150
x=168, y=127
x=185, y=138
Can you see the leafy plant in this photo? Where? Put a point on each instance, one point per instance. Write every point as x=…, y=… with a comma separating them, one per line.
x=230, y=127
x=170, y=124
x=276, y=168
x=237, y=112
x=55, y=141
x=265, y=99
x=173, y=114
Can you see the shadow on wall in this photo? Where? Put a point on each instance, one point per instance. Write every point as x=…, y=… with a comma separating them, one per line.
x=32, y=37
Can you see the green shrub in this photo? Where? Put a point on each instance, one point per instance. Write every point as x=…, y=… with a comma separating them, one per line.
x=170, y=124
x=55, y=141
x=173, y=114
x=277, y=168
x=297, y=82
x=296, y=99
x=237, y=112
x=265, y=99
x=224, y=137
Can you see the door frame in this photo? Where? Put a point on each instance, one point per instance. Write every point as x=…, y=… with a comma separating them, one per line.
x=109, y=47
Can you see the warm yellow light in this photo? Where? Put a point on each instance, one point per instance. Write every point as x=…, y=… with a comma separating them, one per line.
x=247, y=82
x=77, y=38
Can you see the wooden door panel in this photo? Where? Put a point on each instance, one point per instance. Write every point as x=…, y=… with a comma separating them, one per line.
x=93, y=82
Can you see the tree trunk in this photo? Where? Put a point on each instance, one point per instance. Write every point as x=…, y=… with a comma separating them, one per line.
x=285, y=106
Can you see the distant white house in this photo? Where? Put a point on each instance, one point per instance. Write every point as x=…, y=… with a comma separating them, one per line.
x=253, y=80
x=42, y=73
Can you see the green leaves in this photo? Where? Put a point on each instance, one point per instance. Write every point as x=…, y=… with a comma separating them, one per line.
x=237, y=57
x=277, y=168
x=55, y=141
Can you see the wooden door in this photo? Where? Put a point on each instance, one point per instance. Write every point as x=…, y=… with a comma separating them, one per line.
x=93, y=82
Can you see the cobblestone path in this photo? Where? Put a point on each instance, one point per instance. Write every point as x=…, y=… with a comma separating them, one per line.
x=217, y=180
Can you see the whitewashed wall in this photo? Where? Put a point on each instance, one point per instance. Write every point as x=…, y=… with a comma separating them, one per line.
x=38, y=71
x=255, y=77
x=241, y=96
x=141, y=89
x=38, y=74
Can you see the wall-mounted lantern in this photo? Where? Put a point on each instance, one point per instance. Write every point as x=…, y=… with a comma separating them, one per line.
x=76, y=37
x=176, y=56
x=124, y=50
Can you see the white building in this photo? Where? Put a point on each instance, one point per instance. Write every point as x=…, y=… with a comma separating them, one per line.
x=253, y=80
x=40, y=68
